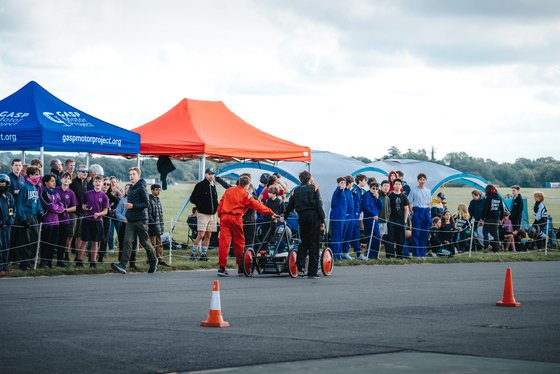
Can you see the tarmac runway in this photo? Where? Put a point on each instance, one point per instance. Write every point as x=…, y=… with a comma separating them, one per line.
x=377, y=319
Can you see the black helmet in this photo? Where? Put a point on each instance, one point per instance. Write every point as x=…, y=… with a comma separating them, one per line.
x=532, y=232
x=5, y=178
x=264, y=178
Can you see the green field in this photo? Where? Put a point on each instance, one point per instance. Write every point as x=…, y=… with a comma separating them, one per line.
x=174, y=198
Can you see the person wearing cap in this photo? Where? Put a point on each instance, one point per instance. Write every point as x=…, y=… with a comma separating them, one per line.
x=205, y=198
x=437, y=208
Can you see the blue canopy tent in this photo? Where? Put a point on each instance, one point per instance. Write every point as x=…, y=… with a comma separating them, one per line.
x=33, y=118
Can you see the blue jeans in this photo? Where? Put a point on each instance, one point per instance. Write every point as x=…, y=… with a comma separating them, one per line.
x=115, y=225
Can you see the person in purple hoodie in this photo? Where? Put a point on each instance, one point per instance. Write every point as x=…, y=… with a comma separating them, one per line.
x=95, y=205
x=50, y=200
x=69, y=202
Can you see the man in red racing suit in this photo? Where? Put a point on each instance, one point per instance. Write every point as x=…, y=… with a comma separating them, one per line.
x=233, y=205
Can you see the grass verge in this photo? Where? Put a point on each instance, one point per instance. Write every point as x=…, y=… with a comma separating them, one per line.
x=180, y=261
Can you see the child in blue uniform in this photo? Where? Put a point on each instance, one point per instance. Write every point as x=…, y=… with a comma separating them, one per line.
x=357, y=193
x=371, y=204
x=350, y=220
x=338, y=217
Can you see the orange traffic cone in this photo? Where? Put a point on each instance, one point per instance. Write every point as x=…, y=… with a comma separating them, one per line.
x=215, y=317
x=508, y=299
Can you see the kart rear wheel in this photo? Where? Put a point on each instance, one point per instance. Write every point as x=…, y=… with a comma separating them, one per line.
x=327, y=262
x=247, y=265
x=292, y=263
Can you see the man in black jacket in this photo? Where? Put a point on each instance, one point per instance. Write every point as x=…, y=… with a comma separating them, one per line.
x=136, y=222
x=516, y=208
x=306, y=200
x=205, y=198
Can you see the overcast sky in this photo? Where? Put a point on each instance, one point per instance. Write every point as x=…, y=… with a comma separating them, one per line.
x=352, y=77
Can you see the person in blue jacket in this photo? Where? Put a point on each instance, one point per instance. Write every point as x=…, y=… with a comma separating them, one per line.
x=357, y=193
x=350, y=220
x=28, y=209
x=338, y=217
x=371, y=204
x=7, y=216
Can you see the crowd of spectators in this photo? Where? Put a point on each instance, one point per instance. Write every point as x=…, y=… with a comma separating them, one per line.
x=75, y=211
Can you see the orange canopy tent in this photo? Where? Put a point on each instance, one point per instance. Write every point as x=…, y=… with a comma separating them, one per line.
x=194, y=128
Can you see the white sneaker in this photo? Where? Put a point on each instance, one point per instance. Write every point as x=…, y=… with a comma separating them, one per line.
x=346, y=256
x=362, y=257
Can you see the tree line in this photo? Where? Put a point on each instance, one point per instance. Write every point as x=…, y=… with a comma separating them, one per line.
x=523, y=172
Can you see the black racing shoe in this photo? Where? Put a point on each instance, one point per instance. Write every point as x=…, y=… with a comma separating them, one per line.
x=92, y=264
x=193, y=258
x=162, y=263
x=79, y=264
x=203, y=257
x=222, y=272
x=240, y=272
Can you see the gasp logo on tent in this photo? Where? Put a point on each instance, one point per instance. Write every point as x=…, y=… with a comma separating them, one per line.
x=11, y=118
x=68, y=119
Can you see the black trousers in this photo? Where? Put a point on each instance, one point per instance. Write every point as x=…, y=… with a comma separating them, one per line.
x=491, y=227
x=397, y=234
x=249, y=228
x=132, y=259
x=62, y=237
x=49, y=235
x=309, y=230
x=27, y=241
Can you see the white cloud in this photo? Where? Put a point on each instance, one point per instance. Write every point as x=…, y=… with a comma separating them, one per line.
x=351, y=77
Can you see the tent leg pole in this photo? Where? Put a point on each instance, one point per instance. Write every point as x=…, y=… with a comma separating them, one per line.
x=181, y=212
x=170, y=240
x=202, y=167
x=87, y=160
x=138, y=160
x=23, y=156
x=42, y=160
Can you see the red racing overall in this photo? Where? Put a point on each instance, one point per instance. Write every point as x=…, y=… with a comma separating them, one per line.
x=233, y=205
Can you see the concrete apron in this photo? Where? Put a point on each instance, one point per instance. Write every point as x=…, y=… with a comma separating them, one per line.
x=400, y=362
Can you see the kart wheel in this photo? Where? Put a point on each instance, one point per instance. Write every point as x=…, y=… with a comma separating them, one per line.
x=247, y=265
x=327, y=262
x=292, y=263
